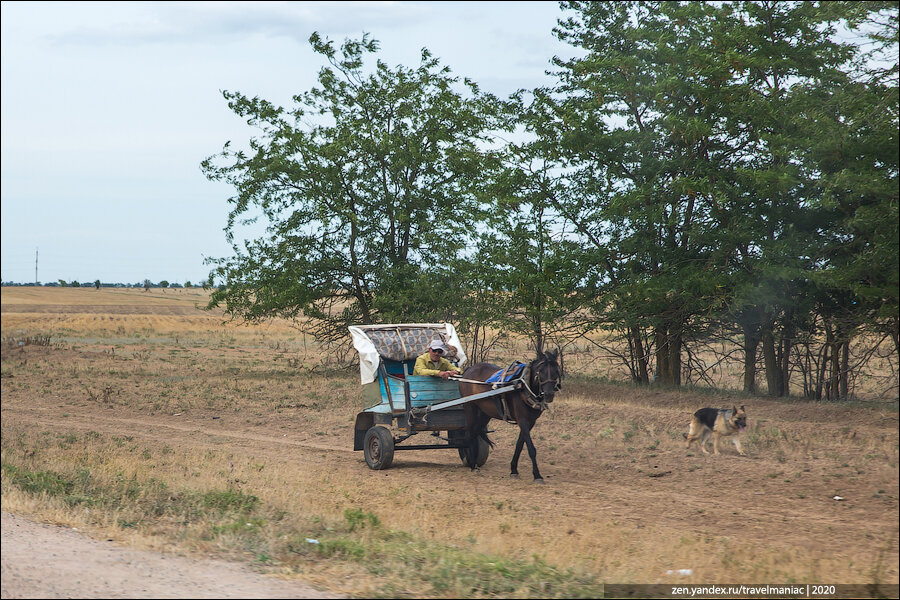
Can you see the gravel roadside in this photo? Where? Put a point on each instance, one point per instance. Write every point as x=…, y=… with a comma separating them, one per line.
x=46, y=561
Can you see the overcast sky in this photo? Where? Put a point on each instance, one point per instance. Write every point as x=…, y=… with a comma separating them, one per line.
x=108, y=109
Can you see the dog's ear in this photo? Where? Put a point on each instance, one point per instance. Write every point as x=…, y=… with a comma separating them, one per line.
x=734, y=409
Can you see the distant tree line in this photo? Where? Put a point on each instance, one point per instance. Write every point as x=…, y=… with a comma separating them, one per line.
x=698, y=173
x=146, y=284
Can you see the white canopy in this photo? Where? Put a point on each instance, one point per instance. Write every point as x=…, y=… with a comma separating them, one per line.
x=403, y=341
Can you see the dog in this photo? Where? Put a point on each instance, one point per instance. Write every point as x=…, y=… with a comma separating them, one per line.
x=718, y=423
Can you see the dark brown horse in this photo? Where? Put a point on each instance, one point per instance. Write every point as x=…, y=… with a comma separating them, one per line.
x=523, y=406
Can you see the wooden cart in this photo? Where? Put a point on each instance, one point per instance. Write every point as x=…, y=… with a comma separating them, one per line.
x=399, y=405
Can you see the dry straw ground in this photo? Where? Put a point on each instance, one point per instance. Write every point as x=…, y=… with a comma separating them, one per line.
x=142, y=418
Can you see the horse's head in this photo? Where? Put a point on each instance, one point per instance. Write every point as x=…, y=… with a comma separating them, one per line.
x=546, y=375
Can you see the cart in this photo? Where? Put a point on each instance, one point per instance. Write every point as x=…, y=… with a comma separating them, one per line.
x=398, y=405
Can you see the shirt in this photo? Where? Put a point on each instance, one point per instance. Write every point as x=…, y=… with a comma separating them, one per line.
x=425, y=366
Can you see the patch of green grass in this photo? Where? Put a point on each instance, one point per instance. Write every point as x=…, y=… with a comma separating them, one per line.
x=229, y=500
x=239, y=526
x=43, y=482
x=134, y=499
x=342, y=547
x=447, y=571
x=357, y=518
x=606, y=433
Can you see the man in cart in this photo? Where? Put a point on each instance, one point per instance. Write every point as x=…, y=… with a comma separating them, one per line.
x=433, y=362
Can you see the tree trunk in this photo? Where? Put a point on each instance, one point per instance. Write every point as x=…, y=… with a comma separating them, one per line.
x=823, y=368
x=830, y=362
x=845, y=370
x=751, y=343
x=675, y=357
x=894, y=330
x=662, y=356
x=638, y=358
x=785, y=363
x=772, y=366
x=668, y=355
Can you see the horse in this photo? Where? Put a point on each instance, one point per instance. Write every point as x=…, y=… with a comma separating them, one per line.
x=522, y=406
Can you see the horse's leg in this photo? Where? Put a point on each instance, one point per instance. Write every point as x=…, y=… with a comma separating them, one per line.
x=471, y=440
x=526, y=420
x=514, y=465
x=477, y=423
x=525, y=426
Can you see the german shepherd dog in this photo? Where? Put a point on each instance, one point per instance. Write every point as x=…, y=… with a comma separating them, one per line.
x=717, y=423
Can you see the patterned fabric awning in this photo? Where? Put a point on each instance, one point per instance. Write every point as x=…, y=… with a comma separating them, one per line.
x=405, y=341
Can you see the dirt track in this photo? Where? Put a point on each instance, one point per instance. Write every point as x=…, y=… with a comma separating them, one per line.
x=661, y=491
x=46, y=561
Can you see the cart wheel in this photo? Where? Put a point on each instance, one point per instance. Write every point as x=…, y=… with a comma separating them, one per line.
x=484, y=451
x=378, y=448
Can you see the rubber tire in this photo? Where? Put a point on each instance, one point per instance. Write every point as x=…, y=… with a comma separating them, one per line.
x=484, y=450
x=378, y=448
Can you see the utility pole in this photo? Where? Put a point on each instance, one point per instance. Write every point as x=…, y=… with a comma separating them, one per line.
x=35, y=266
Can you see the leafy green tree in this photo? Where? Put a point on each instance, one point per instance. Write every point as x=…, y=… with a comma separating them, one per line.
x=853, y=164
x=366, y=185
x=637, y=126
x=539, y=274
x=535, y=279
x=680, y=133
x=793, y=69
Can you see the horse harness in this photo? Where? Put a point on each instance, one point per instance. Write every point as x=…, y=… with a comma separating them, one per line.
x=532, y=400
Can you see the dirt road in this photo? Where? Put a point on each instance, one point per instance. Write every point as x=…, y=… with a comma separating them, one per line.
x=46, y=561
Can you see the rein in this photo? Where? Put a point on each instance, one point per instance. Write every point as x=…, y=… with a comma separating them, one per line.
x=464, y=380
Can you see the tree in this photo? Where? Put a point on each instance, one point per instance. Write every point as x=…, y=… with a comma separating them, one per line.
x=852, y=159
x=97, y=284
x=796, y=75
x=365, y=185
x=637, y=128
x=683, y=132
x=539, y=276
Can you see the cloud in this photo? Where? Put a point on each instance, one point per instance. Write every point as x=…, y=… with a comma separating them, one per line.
x=217, y=22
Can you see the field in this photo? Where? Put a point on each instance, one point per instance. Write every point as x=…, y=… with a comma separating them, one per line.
x=141, y=418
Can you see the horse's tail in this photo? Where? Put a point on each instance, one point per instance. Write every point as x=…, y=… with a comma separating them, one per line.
x=483, y=435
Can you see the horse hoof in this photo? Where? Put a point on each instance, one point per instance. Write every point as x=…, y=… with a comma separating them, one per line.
x=539, y=480
x=514, y=475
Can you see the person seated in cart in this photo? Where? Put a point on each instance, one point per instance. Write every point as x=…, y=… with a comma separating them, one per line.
x=433, y=362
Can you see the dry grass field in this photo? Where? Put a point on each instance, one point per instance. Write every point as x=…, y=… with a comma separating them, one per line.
x=139, y=417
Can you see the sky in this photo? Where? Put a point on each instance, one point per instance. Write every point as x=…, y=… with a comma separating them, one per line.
x=109, y=108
